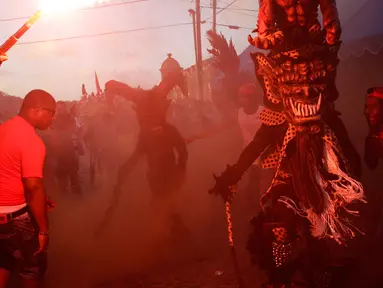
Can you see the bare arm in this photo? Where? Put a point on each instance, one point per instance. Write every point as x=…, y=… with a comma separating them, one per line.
x=37, y=201
x=32, y=166
x=114, y=87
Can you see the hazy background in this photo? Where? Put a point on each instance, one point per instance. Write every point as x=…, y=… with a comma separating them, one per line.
x=128, y=248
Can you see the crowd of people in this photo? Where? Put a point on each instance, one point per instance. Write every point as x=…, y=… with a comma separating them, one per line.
x=83, y=140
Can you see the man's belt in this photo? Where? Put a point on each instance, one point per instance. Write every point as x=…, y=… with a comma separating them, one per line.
x=8, y=217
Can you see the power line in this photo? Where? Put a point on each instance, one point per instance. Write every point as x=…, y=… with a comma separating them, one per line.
x=241, y=13
x=82, y=9
x=233, y=9
x=224, y=2
x=223, y=9
x=235, y=27
x=236, y=11
x=103, y=34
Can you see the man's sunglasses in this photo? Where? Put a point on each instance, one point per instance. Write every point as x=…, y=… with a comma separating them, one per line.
x=50, y=111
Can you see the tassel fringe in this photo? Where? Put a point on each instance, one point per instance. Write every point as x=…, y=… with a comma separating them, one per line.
x=338, y=194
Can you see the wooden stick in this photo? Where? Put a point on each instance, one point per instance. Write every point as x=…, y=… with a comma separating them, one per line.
x=233, y=252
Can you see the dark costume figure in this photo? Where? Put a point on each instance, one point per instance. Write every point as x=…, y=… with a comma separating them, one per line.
x=306, y=210
x=373, y=151
x=158, y=141
x=67, y=149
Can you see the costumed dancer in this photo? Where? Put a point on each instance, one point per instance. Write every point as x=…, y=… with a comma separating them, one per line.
x=373, y=150
x=306, y=209
x=160, y=142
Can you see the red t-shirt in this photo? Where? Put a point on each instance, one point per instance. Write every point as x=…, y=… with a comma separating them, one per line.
x=22, y=155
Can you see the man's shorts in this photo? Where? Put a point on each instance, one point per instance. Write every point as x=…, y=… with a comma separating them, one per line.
x=18, y=243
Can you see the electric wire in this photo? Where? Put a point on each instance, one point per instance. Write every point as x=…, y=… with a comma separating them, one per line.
x=82, y=9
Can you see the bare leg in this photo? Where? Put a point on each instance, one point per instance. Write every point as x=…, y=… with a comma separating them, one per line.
x=4, y=278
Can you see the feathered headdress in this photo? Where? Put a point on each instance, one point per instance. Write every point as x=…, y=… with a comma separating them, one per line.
x=225, y=56
x=227, y=61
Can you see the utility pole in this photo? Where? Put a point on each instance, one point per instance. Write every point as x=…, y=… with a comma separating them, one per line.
x=192, y=14
x=199, y=49
x=214, y=16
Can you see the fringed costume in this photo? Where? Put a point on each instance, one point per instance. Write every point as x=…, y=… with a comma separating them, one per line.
x=314, y=196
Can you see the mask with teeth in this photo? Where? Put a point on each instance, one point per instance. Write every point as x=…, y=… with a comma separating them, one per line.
x=296, y=87
x=302, y=104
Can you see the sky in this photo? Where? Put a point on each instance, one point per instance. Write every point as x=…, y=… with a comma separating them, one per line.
x=61, y=67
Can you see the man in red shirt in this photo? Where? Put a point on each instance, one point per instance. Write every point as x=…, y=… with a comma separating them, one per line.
x=23, y=201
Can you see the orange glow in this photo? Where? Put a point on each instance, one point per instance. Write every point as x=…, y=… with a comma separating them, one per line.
x=52, y=6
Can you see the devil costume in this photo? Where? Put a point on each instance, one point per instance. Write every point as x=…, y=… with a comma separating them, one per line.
x=158, y=141
x=313, y=197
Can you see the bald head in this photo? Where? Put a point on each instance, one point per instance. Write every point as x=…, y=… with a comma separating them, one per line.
x=38, y=98
x=38, y=108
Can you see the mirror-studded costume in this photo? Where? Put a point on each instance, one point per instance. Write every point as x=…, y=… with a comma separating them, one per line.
x=314, y=196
